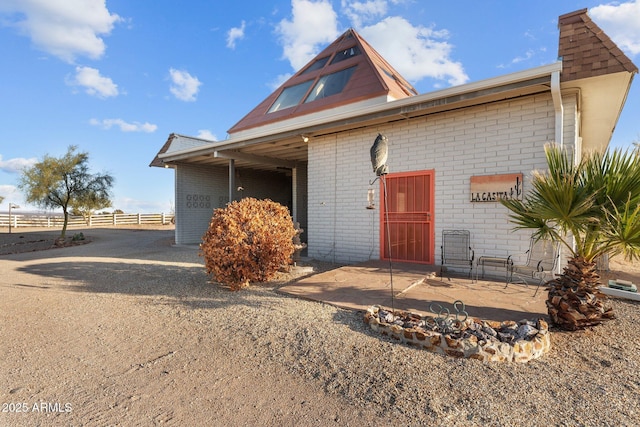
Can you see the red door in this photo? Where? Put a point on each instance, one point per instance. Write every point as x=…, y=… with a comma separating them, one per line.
x=410, y=217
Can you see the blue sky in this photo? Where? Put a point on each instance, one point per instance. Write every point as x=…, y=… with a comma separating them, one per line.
x=117, y=77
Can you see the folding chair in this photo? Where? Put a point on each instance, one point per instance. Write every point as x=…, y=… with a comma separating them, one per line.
x=456, y=250
x=542, y=258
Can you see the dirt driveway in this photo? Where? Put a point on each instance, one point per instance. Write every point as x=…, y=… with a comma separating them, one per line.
x=123, y=331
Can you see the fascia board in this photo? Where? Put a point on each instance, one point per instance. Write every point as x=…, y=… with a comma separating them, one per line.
x=392, y=107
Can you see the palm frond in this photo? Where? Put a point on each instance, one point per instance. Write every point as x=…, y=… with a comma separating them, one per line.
x=623, y=231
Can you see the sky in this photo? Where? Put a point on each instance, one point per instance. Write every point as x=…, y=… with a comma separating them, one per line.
x=115, y=78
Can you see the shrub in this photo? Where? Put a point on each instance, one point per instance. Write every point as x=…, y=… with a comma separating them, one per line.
x=248, y=241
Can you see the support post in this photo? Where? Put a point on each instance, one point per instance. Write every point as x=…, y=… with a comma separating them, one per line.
x=294, y=195
x=232, y=178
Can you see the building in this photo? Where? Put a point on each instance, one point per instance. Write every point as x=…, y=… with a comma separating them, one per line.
x=452, y=152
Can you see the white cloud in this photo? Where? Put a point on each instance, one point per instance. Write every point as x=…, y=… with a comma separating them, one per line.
x=17, y=164
x=235, y=33
x=11, y=194
x=621, y=22
x=63, y=28
x=93, y=83
x=7, y=190
x=415, y=52
x=206, y=134
x=313, y=24
x=185, y=87
x=527, y=56
x=124, y=126
x=363, y=12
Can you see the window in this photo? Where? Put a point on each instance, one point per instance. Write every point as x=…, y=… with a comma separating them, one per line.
x=316, y=65
x=290, y=96
x=345, y=54
x=330, y=84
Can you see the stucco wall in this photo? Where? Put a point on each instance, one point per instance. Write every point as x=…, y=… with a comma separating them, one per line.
x=201, y=189
x=193, y=216
x=497, y=138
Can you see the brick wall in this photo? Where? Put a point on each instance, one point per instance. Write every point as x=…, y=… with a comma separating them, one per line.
x=497, y=138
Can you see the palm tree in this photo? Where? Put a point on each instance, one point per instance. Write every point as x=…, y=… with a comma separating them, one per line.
x=593, y=209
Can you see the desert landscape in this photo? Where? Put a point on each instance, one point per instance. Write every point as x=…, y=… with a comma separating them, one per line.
x=124, y=328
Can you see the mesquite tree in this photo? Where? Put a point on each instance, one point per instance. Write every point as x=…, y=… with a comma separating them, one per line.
x=65, y=182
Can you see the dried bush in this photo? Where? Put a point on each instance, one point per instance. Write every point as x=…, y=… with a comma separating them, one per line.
x=248, y=241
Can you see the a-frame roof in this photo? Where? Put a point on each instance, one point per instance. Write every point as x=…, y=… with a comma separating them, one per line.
x=368, y=77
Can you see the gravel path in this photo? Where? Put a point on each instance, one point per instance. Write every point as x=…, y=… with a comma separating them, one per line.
x=126, y=330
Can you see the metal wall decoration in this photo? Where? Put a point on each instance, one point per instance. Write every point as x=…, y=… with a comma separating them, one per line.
x=198, y=201
x=444, y=321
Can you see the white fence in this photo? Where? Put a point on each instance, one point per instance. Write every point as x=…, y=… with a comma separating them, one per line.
x=33, y=220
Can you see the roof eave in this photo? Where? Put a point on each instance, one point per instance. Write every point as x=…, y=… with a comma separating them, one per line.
x=602, y=99
x=398, y=109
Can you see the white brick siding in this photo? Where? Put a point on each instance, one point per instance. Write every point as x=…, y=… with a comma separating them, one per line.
x=497, y=138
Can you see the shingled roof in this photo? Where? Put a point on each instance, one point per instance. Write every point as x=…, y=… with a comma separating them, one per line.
x=586, y=51
x=369, y=77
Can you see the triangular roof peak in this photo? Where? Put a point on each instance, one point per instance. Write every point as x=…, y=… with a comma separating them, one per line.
x=586, y=51
x=349, y=70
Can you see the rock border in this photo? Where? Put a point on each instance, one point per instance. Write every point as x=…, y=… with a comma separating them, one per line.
x=472, y=347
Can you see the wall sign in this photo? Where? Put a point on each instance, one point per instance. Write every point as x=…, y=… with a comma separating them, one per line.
x=491, y=188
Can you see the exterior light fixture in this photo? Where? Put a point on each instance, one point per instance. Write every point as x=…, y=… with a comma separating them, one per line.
x=371, y=199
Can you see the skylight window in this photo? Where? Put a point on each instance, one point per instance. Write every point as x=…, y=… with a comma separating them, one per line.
x=290, y=96
x=330, y=84
x=346, y=54
x=316, y=65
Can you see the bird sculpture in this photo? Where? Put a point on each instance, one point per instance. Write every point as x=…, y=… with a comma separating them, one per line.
x=379, y=154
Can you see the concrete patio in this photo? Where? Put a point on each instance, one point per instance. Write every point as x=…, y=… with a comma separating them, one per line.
x=416, y=287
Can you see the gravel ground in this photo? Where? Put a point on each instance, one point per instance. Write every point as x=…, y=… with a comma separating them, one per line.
x=126, y=330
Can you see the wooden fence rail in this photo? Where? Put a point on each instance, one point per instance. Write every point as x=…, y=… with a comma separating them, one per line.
x=32, y=220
